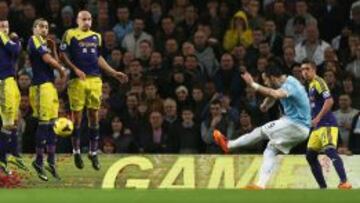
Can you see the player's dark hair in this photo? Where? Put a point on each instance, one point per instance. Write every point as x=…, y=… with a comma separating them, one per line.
x=3, y=19
x=38, y=21
x=309, y=62
x=273, y=71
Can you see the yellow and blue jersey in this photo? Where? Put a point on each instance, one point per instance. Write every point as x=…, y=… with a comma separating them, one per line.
x=42, y=72
x=318, y=94
x=9, y=51
x=83, y=49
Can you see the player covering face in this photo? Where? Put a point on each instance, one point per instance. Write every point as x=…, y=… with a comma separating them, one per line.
x=10, y=48
x=43, y=95
x=324, y=133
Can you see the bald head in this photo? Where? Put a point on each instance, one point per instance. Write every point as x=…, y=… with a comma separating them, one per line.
x=84, y=20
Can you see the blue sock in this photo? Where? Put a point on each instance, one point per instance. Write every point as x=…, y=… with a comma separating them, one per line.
x=41, y=139
x=312, y=158
x=94, y=139
x=13, y=144
x=75, y=139
x=337, y=162
x=51, y=146
x=4, y=143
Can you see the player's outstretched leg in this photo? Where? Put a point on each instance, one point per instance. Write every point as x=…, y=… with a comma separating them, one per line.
x=75, y=139
x=226, y=145
x=339, y=167
x=4, y=139
x=312, y=158
x=37, y=164
x=15, y=157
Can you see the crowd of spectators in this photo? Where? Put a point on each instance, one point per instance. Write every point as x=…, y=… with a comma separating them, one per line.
x=184, y=59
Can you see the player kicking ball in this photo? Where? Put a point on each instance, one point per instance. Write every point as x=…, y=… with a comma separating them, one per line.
x=324, y=134
x=284, y=133
x=10, y=48
x=80, y=51
x=43, y=96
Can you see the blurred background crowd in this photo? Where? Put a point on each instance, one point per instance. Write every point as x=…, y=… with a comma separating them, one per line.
x=184, y=58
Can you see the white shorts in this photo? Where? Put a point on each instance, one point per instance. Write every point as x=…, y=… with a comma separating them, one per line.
x=285, y=134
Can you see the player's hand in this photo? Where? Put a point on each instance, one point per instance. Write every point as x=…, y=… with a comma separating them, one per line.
x=315, y=122
x=80, y=74
x=247, y=78
x=13, y=36
x=62, y=74
x=264, y=108
x=121, y=77
x=51, y=43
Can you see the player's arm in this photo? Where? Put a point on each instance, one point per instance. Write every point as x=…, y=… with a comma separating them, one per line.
x=47, y=58
x=122, y=77
x=52, y=45
x=65, y=59
x=64, y=46
x=267, y=104
x=11, y=43
x=266, y=91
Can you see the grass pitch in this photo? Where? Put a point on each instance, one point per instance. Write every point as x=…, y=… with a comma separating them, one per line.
x=176, y=196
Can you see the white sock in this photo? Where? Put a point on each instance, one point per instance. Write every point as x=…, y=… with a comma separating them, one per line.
x=250, y=138
x=76, y=151
x=269, y=161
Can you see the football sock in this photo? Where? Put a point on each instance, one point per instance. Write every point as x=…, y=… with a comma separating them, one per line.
x=42, y=133
x=4, y=141
x=13, y=144
x=255, y=136
x=337, y=162
x=268, y=164
x=312, y=158
x=94, y=139
x=51, y=146
x=75, y=139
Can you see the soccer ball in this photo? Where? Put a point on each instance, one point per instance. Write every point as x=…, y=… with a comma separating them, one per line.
x=63, y=127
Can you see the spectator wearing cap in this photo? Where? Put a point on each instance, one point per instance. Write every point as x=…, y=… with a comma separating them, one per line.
x=123, y=25
x=182, y=98
x=312, y=48
x=131, y=41
x=301, y=8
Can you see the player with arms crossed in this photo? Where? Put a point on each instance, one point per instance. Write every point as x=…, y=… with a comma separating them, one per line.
x=284, y=133
x=43, y=95
x=80, y=51
x=324, y=134
x=10, y=48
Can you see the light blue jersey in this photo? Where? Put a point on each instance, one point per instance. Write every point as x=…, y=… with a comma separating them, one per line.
x=296, y=105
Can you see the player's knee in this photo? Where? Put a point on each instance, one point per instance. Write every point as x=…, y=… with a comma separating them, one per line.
x=311, y=155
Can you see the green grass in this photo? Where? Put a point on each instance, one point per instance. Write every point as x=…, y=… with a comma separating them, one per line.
x=176, y=196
